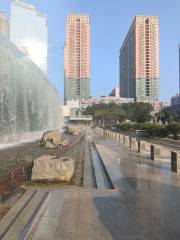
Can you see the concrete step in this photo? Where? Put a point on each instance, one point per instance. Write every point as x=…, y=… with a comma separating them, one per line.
x=47, y=226
x=14, y=212
x=19, y=221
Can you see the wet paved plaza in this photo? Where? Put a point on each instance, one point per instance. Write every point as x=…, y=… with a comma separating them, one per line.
x=150, y=193
x=144, y=204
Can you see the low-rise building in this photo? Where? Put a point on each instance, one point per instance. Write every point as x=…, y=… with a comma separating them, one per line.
x=73, y=107
x=115, y=92
x=109, y=99
x=65, y=111
x=175, y=102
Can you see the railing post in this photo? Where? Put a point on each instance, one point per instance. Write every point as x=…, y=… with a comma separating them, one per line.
x=154, y=152
x=175, y=162
x=130, y=141
x=143, y=146
x=123, y=139
x=126, y=141
x=139, y=146
x=116, y=136
x=133, y=142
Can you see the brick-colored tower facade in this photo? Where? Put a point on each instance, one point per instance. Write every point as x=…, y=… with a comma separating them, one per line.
x=139, y=60
x=77, y=58
x=179, y=68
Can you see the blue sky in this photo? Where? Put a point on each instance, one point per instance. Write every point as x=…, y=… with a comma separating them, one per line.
x=110, y=21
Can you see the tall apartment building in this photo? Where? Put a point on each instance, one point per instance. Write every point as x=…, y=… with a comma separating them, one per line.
x=139, y=60
x=179, y=68
x=4, y=25
x=77, y=58
x=175, y=100
x=29, y=32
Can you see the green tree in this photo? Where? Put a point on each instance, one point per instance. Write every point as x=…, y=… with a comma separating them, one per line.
x=106, y=113
x=174, y=129
x=138, y=112
x=112, y=113
x=169, y=115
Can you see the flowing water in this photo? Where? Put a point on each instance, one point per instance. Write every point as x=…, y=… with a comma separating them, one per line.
x=29, y=103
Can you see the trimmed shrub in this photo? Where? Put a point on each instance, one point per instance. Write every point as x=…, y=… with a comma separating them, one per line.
x=152, y=129
x=123, y=126
x=174, y=129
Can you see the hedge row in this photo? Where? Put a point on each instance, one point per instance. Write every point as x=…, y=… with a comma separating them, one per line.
x=152, y=129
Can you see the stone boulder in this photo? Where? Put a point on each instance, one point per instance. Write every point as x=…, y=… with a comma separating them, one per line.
x=75, y=130
x=51, y=168
x=50, y=145
x=52, y=136
x=65, y=143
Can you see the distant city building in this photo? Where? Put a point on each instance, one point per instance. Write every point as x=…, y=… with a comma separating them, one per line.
x=74, y=106
x=179, y=68
x=115, y=92
x=175, y=100
x=109, y=99
x=4, y=25
x=158, y=106
x=29, y=32
x=165, y=104
x=65, y=111
x=73, y=112
x=77, y=58
x=139, y=60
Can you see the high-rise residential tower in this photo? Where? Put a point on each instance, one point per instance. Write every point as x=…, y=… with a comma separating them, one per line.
x=179, y=68
x=77, y=58
x=4, y=25
x=175, y=100
x=139, y=60
x=29, y=32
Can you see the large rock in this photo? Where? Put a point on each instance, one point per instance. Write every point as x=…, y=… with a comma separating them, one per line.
x=52, y=136
x=75, y=130
x=51, y=168
x=50, y=145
